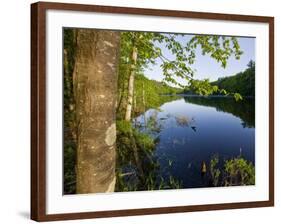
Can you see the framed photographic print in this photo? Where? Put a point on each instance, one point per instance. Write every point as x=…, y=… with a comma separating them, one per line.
x=143, y=111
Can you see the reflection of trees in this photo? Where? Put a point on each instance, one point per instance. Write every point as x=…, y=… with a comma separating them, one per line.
x=152, y=103
x=244, y=109
x=137, y=166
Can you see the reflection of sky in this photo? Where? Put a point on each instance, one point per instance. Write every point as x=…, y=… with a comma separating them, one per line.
x=208, y=118
x=205, y=66
x=215, y=132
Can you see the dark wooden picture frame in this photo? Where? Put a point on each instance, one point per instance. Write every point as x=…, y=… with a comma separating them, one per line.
x=38, y=110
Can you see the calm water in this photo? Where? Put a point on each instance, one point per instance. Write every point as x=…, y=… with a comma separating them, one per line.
x=192, y=129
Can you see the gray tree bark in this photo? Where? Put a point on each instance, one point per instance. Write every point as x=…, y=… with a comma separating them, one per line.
x=95, y=92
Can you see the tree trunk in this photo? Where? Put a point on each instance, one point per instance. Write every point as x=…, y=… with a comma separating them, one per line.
x=122, y=87
x=128, y=114
x=95, y=92
x=144, y=109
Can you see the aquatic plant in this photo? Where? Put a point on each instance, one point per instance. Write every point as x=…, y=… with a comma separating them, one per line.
x=182, y=121
x=153, y=126
x=235, y=172
x=170, y=162
x=239, y=172
x=174, y=183
x=214, y=171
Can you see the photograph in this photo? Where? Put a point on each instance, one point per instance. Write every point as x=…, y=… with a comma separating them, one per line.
x=151, y=111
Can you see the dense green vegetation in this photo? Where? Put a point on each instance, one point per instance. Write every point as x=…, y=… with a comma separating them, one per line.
x=147, y=94
x=243, y=82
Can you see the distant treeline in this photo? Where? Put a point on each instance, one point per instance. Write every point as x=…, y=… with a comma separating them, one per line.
x=147, y=94
x=242, y=82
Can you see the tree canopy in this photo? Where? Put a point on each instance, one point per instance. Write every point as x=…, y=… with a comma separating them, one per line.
x=219, y=48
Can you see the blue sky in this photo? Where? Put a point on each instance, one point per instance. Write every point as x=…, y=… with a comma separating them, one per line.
x=207, y=67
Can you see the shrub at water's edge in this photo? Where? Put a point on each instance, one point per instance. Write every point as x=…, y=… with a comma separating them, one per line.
x=235, y=172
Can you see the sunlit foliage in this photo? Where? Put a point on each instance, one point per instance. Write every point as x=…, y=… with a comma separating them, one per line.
x=235, y=172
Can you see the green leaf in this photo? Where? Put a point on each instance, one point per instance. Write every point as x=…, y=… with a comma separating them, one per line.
x=238, y=97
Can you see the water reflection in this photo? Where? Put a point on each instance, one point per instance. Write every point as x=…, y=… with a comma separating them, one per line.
x=244, y=109
x=187, y=133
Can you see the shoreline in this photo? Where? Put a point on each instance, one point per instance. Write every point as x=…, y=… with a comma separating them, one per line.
x=209, y=96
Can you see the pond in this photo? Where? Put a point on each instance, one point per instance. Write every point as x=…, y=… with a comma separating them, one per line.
x=191, y=130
